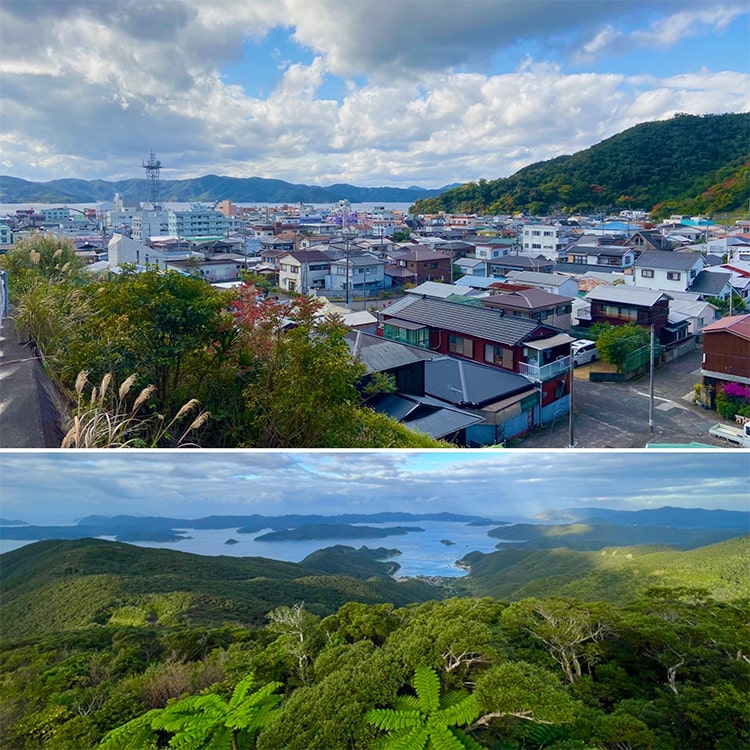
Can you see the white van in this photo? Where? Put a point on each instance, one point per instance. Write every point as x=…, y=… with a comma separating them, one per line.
x=584, y=351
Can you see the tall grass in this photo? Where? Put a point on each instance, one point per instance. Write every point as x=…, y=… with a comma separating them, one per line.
x=105, y=418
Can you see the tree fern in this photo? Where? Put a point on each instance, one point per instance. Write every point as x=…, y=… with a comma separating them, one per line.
x=201, y=722
x=427, y=720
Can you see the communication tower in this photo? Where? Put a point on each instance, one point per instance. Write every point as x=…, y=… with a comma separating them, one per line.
x=152, y=167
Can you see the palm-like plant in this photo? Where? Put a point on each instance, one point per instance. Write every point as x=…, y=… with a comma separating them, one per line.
x=201, y=722
x=428, y=719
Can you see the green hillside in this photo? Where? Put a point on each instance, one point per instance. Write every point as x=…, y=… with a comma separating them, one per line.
x=688, y=164
x=107, y=646
x=66, y=585
x=614, y=574
x=592, y=536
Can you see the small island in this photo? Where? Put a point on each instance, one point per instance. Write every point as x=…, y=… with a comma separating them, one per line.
x=231, y=541
x=447, y=542
x=334, y=531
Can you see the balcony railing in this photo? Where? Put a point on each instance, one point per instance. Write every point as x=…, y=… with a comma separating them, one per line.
x=544, y=372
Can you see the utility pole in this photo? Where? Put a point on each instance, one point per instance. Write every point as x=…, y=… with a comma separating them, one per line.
x=571, y=370
x=651, y=384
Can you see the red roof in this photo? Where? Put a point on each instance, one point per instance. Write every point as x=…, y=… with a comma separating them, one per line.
x=739, y=325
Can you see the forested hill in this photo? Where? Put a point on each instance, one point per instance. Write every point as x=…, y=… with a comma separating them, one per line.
x=114, y=647
x=688, y=164
x=51, y=586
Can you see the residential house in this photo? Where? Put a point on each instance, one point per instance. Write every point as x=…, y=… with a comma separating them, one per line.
x=487, y=336
x=214, y=269
x=416, y=264
x=598, y=257
x=726, y=353
x=494, y=248
x=440, y=395
x=123, y=250
x=698, y=313
x=510, y=263
x=506, y=403
x=555, y=283
x=409, y=405
x=471, y=266
x=667, y=271
x=303, y=270
x=644, y=240
x=534, y=304
x=622, y=304
x=438, y=290
x=359, y=273
x=739, y=277
x=712, y=283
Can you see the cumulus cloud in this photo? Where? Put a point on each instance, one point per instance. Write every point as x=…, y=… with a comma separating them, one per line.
x=59, y=487
x=402, y=92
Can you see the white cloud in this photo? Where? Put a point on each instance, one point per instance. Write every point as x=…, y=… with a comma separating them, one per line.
x=104, y=82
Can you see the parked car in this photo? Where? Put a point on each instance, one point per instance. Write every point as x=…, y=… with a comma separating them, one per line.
x=584, y=351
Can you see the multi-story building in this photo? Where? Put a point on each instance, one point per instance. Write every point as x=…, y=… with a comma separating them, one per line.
x=198, y=222
x=149, y=223
x=545, y=239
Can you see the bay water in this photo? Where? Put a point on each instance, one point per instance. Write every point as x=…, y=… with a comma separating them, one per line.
x=423, y=553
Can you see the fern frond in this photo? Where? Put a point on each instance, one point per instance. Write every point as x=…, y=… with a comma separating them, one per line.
x=415, y=739
x=427, y=685
x=441, y=738
x=137, y=734
x=460, y=713
x=391, y=720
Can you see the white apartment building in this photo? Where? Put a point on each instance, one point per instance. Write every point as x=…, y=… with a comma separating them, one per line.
x=199, y=222
x=545, y=239
x=149, y=224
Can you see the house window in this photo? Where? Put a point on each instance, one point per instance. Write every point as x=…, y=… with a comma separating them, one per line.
x=496, y=355
x=647, y=273
x=460, y=345
x=673, y=275
x=536, y=246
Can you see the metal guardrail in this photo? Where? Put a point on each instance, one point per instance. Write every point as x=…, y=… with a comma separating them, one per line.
x=3, y=294
x=544, y=372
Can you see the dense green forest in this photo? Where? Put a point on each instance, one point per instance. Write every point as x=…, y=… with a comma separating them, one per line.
x=688, y=164
x=160, y=359
x=110, y=646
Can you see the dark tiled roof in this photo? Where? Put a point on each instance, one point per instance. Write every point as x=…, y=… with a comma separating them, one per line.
x=378, y=354
x=425, y=414
x=491, y=325
x=465, y=383
x=710, y=282
x=667, y=260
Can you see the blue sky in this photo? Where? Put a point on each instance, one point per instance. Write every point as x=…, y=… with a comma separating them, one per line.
x=395, y=92
x=57, y=487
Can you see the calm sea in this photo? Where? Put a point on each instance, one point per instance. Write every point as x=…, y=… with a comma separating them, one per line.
x=422, y=553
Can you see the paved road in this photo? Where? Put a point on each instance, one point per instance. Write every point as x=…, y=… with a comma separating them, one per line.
x=29, y=413
x=616, y=415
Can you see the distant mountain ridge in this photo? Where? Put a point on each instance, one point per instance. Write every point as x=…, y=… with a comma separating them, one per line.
x=208, y=188
x=683, y=518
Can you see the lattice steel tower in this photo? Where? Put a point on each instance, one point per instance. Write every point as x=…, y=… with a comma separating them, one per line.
x=152, y=167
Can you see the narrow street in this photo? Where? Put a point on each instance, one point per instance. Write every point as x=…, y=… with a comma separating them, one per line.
x=616, y=415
